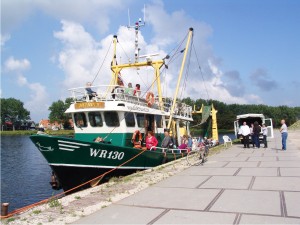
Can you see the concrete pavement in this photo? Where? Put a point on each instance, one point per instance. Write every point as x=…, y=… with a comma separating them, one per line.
x=236, y=186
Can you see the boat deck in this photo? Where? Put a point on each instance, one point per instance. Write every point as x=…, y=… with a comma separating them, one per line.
x=120, y=94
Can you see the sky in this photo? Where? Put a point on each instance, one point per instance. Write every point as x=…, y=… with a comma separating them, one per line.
x=245, y=52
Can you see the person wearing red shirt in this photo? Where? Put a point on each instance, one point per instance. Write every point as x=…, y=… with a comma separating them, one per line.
x=151, y=141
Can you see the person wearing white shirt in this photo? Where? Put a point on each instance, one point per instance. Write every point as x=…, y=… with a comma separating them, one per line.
x=245, y=132
x=284, y=133
x=264, y=130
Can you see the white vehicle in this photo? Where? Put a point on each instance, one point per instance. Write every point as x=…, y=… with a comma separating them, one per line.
x=251, y=118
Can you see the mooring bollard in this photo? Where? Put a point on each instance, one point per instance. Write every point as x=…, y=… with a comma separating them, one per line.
x=4, y=209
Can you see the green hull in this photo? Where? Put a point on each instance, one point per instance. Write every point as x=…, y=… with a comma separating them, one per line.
x=87, y=160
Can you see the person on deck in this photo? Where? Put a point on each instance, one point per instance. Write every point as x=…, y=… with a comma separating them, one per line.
x=151, y=141
x=245, y=132
x=284, y=134
x=137, y=90
x=167, y=141
x=129, y=89
x=264, y=129
x=89, y=90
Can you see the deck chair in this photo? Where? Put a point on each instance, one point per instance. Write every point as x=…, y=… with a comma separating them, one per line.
x=227, y=140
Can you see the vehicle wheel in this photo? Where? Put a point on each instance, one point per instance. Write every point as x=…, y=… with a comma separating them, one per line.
x=194, y=158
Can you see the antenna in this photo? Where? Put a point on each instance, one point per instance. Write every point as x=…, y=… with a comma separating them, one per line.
x=144, y=14
x=128, y=19
x=136, y=26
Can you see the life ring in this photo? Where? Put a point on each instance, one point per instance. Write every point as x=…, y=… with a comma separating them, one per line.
x=150, y=99
x=136, y=142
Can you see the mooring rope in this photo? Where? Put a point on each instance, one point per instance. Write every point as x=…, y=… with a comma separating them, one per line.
x=25, y=208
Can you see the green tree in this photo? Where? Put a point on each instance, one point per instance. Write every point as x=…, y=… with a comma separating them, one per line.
x=227, y=113
x=12, y=110
x=57, y=111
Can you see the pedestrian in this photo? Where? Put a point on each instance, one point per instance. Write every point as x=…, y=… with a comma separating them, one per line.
x=251, y=135
x=256, y=132
x=245, y=132
x=264, y=130
x=284, y=134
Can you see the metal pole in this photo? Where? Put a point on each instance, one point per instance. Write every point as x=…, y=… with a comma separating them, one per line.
x=180, y=75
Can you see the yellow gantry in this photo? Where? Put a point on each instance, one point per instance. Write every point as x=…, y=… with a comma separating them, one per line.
x=214, y=126
x=116, y=69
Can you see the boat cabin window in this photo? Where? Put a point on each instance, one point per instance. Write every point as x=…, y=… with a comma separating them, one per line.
x=111, y=119
x=158, y=119
x=140, y=119
x=95, y=119
x=80, y=120
x=129, y=119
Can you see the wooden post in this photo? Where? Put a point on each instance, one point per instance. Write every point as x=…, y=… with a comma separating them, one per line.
x=4, y=209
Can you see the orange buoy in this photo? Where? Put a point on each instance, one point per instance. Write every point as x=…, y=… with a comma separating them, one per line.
x=150, y=99
x=136, y=139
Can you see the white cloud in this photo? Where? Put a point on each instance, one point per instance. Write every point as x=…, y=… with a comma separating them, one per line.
x=81, y=57
x=171, y=28
x=211, y=81
x=96, y=13
x=4, y=38
x=14, y=12
x=80, y=54
x=38, y=97
x=37, y=103
x=12, y=64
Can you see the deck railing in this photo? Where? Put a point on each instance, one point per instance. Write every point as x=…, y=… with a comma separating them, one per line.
x=170, y=150
x=117, y=93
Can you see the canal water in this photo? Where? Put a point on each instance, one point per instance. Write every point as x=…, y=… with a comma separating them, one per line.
x=25, y=174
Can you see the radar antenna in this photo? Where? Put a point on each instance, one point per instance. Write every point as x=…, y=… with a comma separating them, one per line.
x=137, y=26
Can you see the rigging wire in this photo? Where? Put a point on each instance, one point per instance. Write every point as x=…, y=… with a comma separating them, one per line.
x=128, y=58
x=163, y=70
x=102, y=62
x=179, y=46
x=193, y=47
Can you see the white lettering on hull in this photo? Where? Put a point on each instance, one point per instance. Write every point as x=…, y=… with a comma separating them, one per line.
x=102, y=153
x=137, y=108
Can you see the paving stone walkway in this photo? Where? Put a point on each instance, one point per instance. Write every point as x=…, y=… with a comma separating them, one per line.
x=237, y=186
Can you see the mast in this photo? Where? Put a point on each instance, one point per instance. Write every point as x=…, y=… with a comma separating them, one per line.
x=114, y=60
x=155, y=64
x=180, y=75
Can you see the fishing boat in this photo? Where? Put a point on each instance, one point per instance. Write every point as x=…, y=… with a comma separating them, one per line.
x=121, y=120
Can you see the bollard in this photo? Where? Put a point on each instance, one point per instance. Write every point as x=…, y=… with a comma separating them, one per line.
x=4, y=209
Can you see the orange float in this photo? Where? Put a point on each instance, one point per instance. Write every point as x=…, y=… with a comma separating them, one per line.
x=150, y=99
x=136, y=139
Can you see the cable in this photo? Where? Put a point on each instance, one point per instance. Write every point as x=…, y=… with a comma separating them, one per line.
x=102, y=63
x=201, y=72
x=72, y=189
